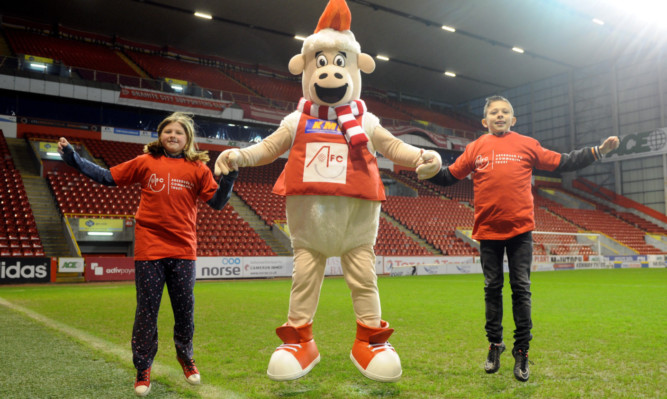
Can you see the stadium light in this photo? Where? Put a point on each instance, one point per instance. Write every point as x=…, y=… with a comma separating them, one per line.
x=645, y=11
x=299, y=37
x=382, y=57
x=448, y=28
x=203, y=15
x=598, y=21
x=450, y=74
x=518, y=50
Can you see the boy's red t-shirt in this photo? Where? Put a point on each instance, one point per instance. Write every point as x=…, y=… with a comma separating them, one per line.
x=166, y=221
x=502, y=168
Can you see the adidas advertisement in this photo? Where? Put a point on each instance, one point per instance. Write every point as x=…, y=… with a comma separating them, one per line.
x=25, y=270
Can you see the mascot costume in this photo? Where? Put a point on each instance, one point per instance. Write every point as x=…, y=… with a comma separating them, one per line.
x=333, y=195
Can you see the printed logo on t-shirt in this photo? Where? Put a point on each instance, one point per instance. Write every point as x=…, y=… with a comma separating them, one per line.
x=156, y=184
x=481, y=162
x=326, y=163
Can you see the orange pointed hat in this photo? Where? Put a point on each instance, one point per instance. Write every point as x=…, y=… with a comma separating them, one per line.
x=333, y=30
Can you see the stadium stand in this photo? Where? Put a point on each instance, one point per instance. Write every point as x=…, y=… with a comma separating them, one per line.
x=435, y=220
x=87, y=59
x=204, y=76
x=18, y=232
x=433, y=216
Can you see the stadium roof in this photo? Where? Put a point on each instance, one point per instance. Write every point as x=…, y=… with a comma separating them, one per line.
x=556, y=36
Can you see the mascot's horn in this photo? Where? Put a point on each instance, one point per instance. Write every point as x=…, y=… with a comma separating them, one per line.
x=336, y=16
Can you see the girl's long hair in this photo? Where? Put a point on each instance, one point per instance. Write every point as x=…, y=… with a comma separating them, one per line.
x=190, y=151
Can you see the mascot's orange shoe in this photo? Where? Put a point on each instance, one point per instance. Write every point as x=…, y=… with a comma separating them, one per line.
x=373, y=355
x=297, y=356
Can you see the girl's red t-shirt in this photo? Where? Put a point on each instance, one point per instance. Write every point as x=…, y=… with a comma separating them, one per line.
x=166, y=221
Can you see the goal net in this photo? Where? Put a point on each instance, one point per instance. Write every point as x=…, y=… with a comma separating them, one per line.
x=557, y=243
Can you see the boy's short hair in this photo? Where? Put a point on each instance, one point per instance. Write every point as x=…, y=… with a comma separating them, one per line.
x=495, y=98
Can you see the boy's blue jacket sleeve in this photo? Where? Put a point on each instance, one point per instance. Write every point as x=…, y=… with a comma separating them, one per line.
x=89, y=169
x=224, y=191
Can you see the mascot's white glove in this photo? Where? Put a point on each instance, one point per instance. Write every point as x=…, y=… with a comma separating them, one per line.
x=428, y=165
x=227, y=161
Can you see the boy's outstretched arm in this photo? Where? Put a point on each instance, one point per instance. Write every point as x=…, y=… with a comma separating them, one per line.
x=89, y=169
x=578, y=159
x=224, y=191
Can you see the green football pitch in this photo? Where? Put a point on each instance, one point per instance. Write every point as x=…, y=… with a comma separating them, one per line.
x=597, y=334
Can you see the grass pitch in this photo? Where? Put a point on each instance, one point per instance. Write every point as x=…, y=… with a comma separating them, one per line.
x=597, y=333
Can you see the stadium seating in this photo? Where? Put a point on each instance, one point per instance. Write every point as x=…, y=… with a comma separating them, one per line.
x=18, y=231
x=207, y=77
x=86, y=58
x=435, y=220
x=275, y=88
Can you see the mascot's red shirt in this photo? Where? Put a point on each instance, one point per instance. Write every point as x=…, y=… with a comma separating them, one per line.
x=503, y=167
x=321, y=162
x=166, y=221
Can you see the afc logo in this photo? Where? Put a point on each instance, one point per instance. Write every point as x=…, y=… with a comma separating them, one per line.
x=481, y=162
x=156, y=184
x=326, y=163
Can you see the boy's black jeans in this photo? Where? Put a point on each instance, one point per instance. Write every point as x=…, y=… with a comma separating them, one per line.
x=520, y=256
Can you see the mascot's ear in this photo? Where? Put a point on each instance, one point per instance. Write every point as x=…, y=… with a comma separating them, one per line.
x=365, y=62
x=297, y=64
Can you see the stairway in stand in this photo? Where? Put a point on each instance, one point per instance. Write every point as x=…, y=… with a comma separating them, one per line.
x=259, y=226
x=47, y=218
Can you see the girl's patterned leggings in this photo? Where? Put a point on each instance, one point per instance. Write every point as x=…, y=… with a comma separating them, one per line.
x=150, y=277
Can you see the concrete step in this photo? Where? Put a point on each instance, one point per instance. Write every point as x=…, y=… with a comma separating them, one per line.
x=257, y=224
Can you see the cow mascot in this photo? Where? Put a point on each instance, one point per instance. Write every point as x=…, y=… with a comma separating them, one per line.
x=334, y=193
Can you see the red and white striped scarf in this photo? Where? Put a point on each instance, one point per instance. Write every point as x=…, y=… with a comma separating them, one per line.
x=345, y=115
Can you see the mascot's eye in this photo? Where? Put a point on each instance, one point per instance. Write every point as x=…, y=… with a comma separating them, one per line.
x=339, y=61
x=322, y=61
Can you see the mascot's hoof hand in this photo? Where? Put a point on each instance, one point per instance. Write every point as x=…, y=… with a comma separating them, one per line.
x=292, y=361
x=373, y=355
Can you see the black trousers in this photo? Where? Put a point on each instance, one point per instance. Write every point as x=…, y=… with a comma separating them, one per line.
x=520, y=257
x=150, y=278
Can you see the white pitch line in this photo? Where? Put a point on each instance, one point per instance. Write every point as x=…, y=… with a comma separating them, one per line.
x=125, y=355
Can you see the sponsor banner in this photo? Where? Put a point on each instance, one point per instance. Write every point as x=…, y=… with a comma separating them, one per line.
x=127, y=135
x=334, y=268
x=34, y=58
x=657, y=261
x=563, y=266
x=263, y=114
x=427, y=265
x=45, y=146
x=92, y=224
x=267, y=266
x=587, y=265
x=565, y=258
x=638, y=145
x=231, y=267
x=542, y=267
x=70, y=265
x=109, y=268
x=629, y=262
x=220, y=267
x=25, y=270
x=128, y=93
